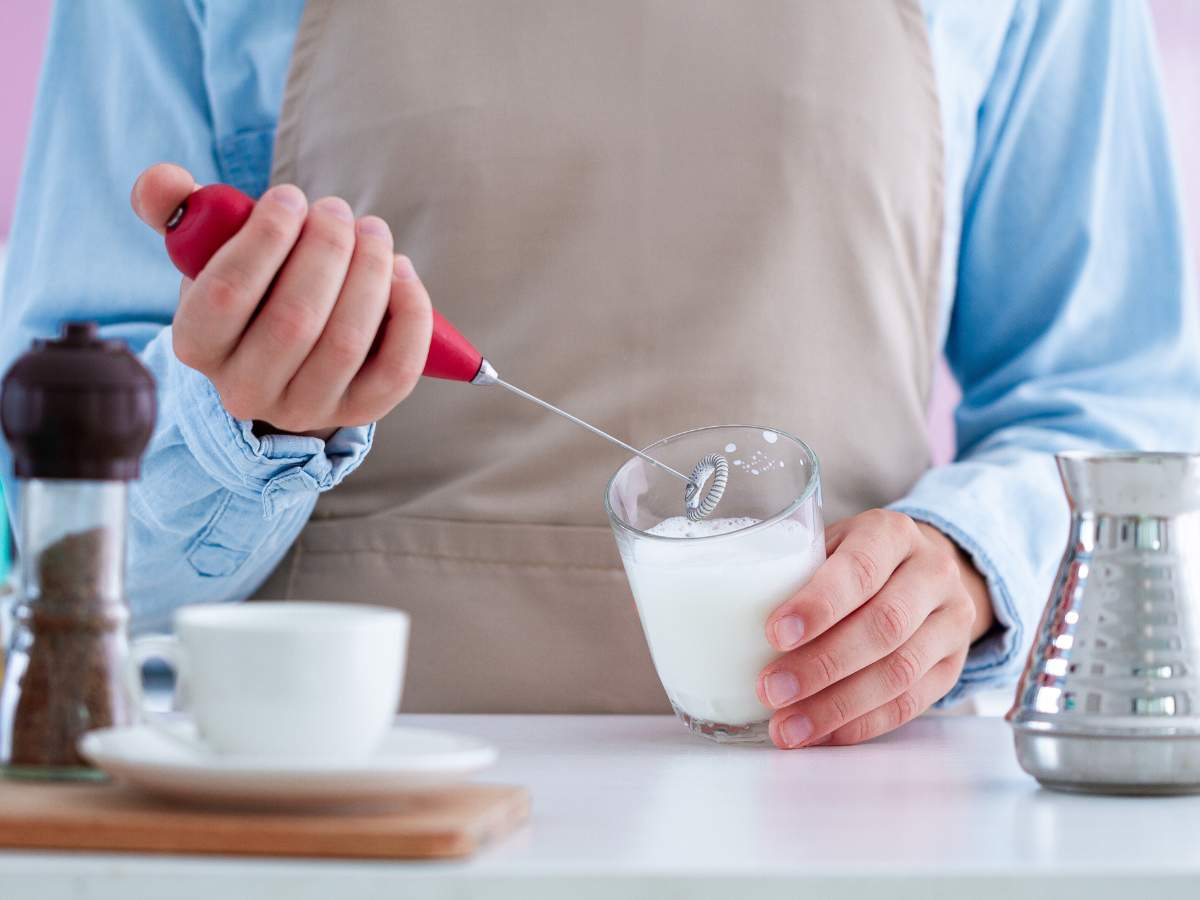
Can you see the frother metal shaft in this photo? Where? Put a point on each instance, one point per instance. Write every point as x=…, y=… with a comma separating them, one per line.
x=488, y=375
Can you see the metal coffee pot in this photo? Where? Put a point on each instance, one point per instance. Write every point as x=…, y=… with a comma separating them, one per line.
x=1110, y=697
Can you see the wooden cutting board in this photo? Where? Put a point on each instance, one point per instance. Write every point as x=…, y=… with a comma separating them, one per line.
x=453, y=822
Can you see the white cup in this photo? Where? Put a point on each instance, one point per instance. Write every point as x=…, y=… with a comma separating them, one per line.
x=303, y=681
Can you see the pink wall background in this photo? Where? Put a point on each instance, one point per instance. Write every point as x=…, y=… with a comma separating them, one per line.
x=22, y=32
x=1178, y=25
x=23, y=29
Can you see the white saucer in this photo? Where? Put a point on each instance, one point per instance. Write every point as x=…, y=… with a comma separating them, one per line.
x=410, y=761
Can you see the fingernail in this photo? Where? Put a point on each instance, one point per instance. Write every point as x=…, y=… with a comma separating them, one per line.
x=789, y=632
x=780, y=688
x=375, y=226
x=288, y=196
x=795, y=731
x=336, y=207
x=403, y=268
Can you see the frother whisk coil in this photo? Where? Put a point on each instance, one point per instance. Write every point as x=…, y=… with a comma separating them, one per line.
x=700, y=507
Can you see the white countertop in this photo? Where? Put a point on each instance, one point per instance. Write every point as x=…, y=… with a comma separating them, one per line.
x=636, y=807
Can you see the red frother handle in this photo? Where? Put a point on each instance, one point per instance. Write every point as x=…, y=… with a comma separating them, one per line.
x=213, y=214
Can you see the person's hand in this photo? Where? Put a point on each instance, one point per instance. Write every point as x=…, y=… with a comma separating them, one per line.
x=877, y=635
x=284, y=317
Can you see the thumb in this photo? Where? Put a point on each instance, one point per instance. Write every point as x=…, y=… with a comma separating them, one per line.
x=158, y=191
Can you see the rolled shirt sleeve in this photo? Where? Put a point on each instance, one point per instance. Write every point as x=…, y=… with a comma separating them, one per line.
x=123, y=86
x=217, y=507
x=276, y=469
x=1074, y=324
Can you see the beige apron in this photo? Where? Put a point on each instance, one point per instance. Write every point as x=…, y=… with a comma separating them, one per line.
x=658, y=214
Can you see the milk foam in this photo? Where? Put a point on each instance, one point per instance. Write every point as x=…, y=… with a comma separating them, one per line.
x=683, y=527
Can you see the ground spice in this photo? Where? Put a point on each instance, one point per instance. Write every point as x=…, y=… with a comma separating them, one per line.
x=73, y=644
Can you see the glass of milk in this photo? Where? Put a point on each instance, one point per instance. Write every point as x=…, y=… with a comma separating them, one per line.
x=704, y=589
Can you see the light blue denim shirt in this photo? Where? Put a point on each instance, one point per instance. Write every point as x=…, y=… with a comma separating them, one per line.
x=1066, y=309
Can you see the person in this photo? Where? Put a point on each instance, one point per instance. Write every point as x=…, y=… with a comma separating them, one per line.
x=657, y=215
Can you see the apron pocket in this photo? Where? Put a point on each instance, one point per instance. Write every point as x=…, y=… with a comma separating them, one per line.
x=506, y=617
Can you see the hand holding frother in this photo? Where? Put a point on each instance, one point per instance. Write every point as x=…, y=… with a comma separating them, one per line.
x=205, y=221
x=283, y=319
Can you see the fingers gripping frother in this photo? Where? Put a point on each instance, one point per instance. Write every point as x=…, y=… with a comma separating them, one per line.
x=213, y=214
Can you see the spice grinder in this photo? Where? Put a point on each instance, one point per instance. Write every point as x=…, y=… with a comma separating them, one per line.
x=77, y=413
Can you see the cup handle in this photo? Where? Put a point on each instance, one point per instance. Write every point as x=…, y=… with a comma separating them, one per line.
x=168, y=649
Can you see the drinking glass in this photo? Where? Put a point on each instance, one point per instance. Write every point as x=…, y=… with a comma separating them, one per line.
x=704, y=590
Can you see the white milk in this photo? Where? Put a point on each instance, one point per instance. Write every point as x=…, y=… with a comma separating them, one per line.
x=704, y=606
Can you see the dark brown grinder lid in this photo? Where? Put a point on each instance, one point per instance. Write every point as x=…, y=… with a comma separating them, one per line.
x=77, y=407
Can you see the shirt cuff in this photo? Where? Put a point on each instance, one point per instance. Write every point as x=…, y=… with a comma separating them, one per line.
x=993, y=660
x=281, y=469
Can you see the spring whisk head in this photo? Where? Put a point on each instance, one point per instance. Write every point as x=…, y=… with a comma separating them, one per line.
x=700, y=506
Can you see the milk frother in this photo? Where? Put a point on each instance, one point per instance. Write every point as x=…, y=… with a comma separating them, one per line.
x=213, y=214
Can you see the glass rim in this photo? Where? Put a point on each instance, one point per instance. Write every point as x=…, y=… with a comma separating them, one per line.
x=810, y=487
x=1125, y=456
